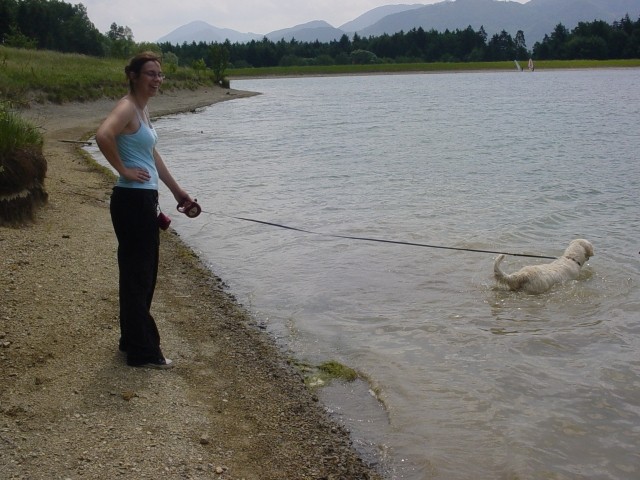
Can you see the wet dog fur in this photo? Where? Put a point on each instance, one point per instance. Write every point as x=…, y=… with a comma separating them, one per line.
x=540, y=278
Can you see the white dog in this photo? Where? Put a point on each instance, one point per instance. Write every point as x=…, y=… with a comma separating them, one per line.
x=540, y=278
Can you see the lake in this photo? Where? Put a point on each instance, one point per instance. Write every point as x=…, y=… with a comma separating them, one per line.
x=460, y=379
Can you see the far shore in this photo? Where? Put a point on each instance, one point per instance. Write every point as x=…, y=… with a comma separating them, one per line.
x=419, y=68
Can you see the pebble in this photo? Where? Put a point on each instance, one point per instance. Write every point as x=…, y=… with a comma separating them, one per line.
x=128, y=395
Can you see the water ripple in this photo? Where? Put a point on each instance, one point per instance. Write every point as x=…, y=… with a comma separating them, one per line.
x=479, y=382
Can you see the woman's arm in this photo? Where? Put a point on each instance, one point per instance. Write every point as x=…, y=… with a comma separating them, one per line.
x=115, y=124
x=163, y=172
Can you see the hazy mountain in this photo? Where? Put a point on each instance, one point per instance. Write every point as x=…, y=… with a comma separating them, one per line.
x=493, y=15
x=372, y=16
x=199, y=31
x=535, y=18
x=307, y=32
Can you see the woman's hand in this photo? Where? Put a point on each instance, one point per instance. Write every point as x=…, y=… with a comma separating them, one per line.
x=180, y=195
x=136, y=175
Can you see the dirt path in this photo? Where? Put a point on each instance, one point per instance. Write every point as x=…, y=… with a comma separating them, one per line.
x=70, y=408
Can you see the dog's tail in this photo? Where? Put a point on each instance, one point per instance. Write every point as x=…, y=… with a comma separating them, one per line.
x=497, y=271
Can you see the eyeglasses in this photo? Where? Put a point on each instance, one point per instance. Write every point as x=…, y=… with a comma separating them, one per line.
x=154, y=75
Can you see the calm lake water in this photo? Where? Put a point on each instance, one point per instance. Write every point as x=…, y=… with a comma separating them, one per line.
x=470, y=381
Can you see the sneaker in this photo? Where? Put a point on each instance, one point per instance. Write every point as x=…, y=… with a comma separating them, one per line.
x=161, y=364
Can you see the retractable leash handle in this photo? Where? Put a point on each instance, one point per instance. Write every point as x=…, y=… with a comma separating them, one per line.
x=190, y=208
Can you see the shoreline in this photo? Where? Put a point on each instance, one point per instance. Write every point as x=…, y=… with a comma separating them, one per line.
x=542, y=66
x=232, y=408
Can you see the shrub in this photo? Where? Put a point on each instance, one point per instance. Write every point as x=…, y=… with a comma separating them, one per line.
x=22, y=168
x=363, y=57
x=170, y=62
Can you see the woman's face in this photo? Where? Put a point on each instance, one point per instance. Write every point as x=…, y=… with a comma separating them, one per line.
x=150, y=78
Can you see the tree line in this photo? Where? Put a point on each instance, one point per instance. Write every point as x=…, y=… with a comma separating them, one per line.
x=56, y=25
x=595, y=40
x=414, y=46
x=52, y=25
x=62, y=27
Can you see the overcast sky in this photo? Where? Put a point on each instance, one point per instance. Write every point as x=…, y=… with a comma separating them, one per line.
x=151, y=19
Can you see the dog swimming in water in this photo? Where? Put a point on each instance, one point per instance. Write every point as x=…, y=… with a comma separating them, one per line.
x=540, y=278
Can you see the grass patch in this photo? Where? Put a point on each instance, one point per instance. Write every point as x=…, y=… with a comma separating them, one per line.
x=22, y=168
x=45, y=76
x=568, y=64
x=16, y=133
x=337, y=370
x=321, y=375
x=422, y=68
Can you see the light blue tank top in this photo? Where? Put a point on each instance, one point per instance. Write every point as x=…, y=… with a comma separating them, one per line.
x=136, y=151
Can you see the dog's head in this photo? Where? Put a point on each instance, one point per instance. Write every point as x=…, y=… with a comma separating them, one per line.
x=580, y=250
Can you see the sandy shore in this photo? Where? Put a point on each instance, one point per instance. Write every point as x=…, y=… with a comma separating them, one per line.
x=70, y=407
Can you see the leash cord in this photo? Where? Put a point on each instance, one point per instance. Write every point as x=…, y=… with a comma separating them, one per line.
x=378, y=240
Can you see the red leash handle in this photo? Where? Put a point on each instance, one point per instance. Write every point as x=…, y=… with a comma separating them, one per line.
x=190, y=208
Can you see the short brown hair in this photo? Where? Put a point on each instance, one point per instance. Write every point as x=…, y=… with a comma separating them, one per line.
x=136, y=63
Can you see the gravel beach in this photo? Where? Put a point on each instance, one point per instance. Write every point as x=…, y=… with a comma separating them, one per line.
x=70, y=407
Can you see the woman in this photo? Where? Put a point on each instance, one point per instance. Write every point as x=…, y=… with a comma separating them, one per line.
x=127, y=140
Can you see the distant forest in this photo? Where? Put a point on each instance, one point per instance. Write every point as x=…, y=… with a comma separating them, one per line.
x=56, y=25
x=594, y=41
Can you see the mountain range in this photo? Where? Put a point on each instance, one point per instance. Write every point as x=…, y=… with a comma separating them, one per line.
x=535, y=18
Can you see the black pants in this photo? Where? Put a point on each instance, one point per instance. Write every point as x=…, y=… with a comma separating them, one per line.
x=134, y=217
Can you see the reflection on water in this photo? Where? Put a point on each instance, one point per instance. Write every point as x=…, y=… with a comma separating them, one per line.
x=477, y=382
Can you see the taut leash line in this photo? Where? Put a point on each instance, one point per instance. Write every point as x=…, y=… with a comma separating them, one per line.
x=378, y=240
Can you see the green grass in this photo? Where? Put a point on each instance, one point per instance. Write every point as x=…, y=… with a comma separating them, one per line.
x=40, y=76
x=365, y=69
x=335, y=369
x=550, y=64
x=422, y=67
x=16, y=133
x=323, y=374
x=22, y=168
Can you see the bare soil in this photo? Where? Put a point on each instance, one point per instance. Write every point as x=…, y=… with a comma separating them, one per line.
x=70, y=407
